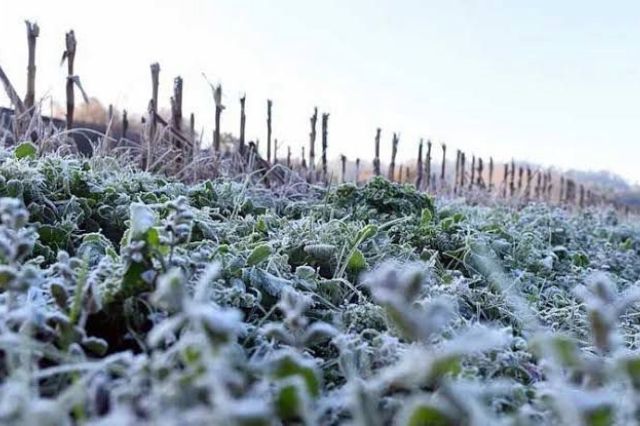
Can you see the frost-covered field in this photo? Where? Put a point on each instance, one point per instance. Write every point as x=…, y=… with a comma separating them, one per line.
x=130, y=299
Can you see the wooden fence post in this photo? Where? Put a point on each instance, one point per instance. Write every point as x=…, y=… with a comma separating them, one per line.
x=394, y=152
x=33, y=31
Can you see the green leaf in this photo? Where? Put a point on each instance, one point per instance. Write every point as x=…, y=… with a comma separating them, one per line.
x=25, y=150
x=259, y=254
x=426, y=217
x=429, y=415
x=288, y=402
x=290, y=365
x=600, y=416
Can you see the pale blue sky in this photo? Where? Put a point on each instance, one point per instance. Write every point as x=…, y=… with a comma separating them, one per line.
x=555, y=82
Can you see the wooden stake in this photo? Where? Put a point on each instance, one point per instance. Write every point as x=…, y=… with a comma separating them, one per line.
x=357, y=179
x=394, y=152
x=462, y=169
x=343, y=174
x=444, y=162
x=376, y=158
x=243, y=124
x=325, y=123
x=312, y=141
x=505, y=179
x=288, y=156
x=512, y=185
x=176, y=111
x=125, y=124
x=456, y=180
x=473, y=172
x=153, y=105
x=269, y=105
x=70, y=56
x=419, y=170
x=33, y=31
x=217, y=97
x=427, y=169
x=480, y=181
x=490, y=174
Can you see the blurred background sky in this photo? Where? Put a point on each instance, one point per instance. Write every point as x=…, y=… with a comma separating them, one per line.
x=552, y=82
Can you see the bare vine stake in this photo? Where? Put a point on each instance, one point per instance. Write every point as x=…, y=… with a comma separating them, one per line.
x=33, y=31
x=243, y=124
x=456, y=180
x=312, y=141
x=325, y=123
x=505, y=179
x=343, y=174
x=217, y=97
x=269, y=105
x=490, y=174
x=394, y=152
x=125, y=124
x=520, y=173
x=376, y=158
x=527, y=188
x=512, y=185
x=303, y=161
x=480, y=181
x=473, y=172
x=192, y=136
x=275, y=151
x=70, y=56
x=444, y=163
x=176, y=111
x=288, y=156
x=153, y=103
x=562, y=189
x=357, y=178
x=462, y=169
x=427, y=169
x=419, y=170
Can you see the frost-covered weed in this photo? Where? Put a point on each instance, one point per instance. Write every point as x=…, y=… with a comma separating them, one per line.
x=128, y=298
